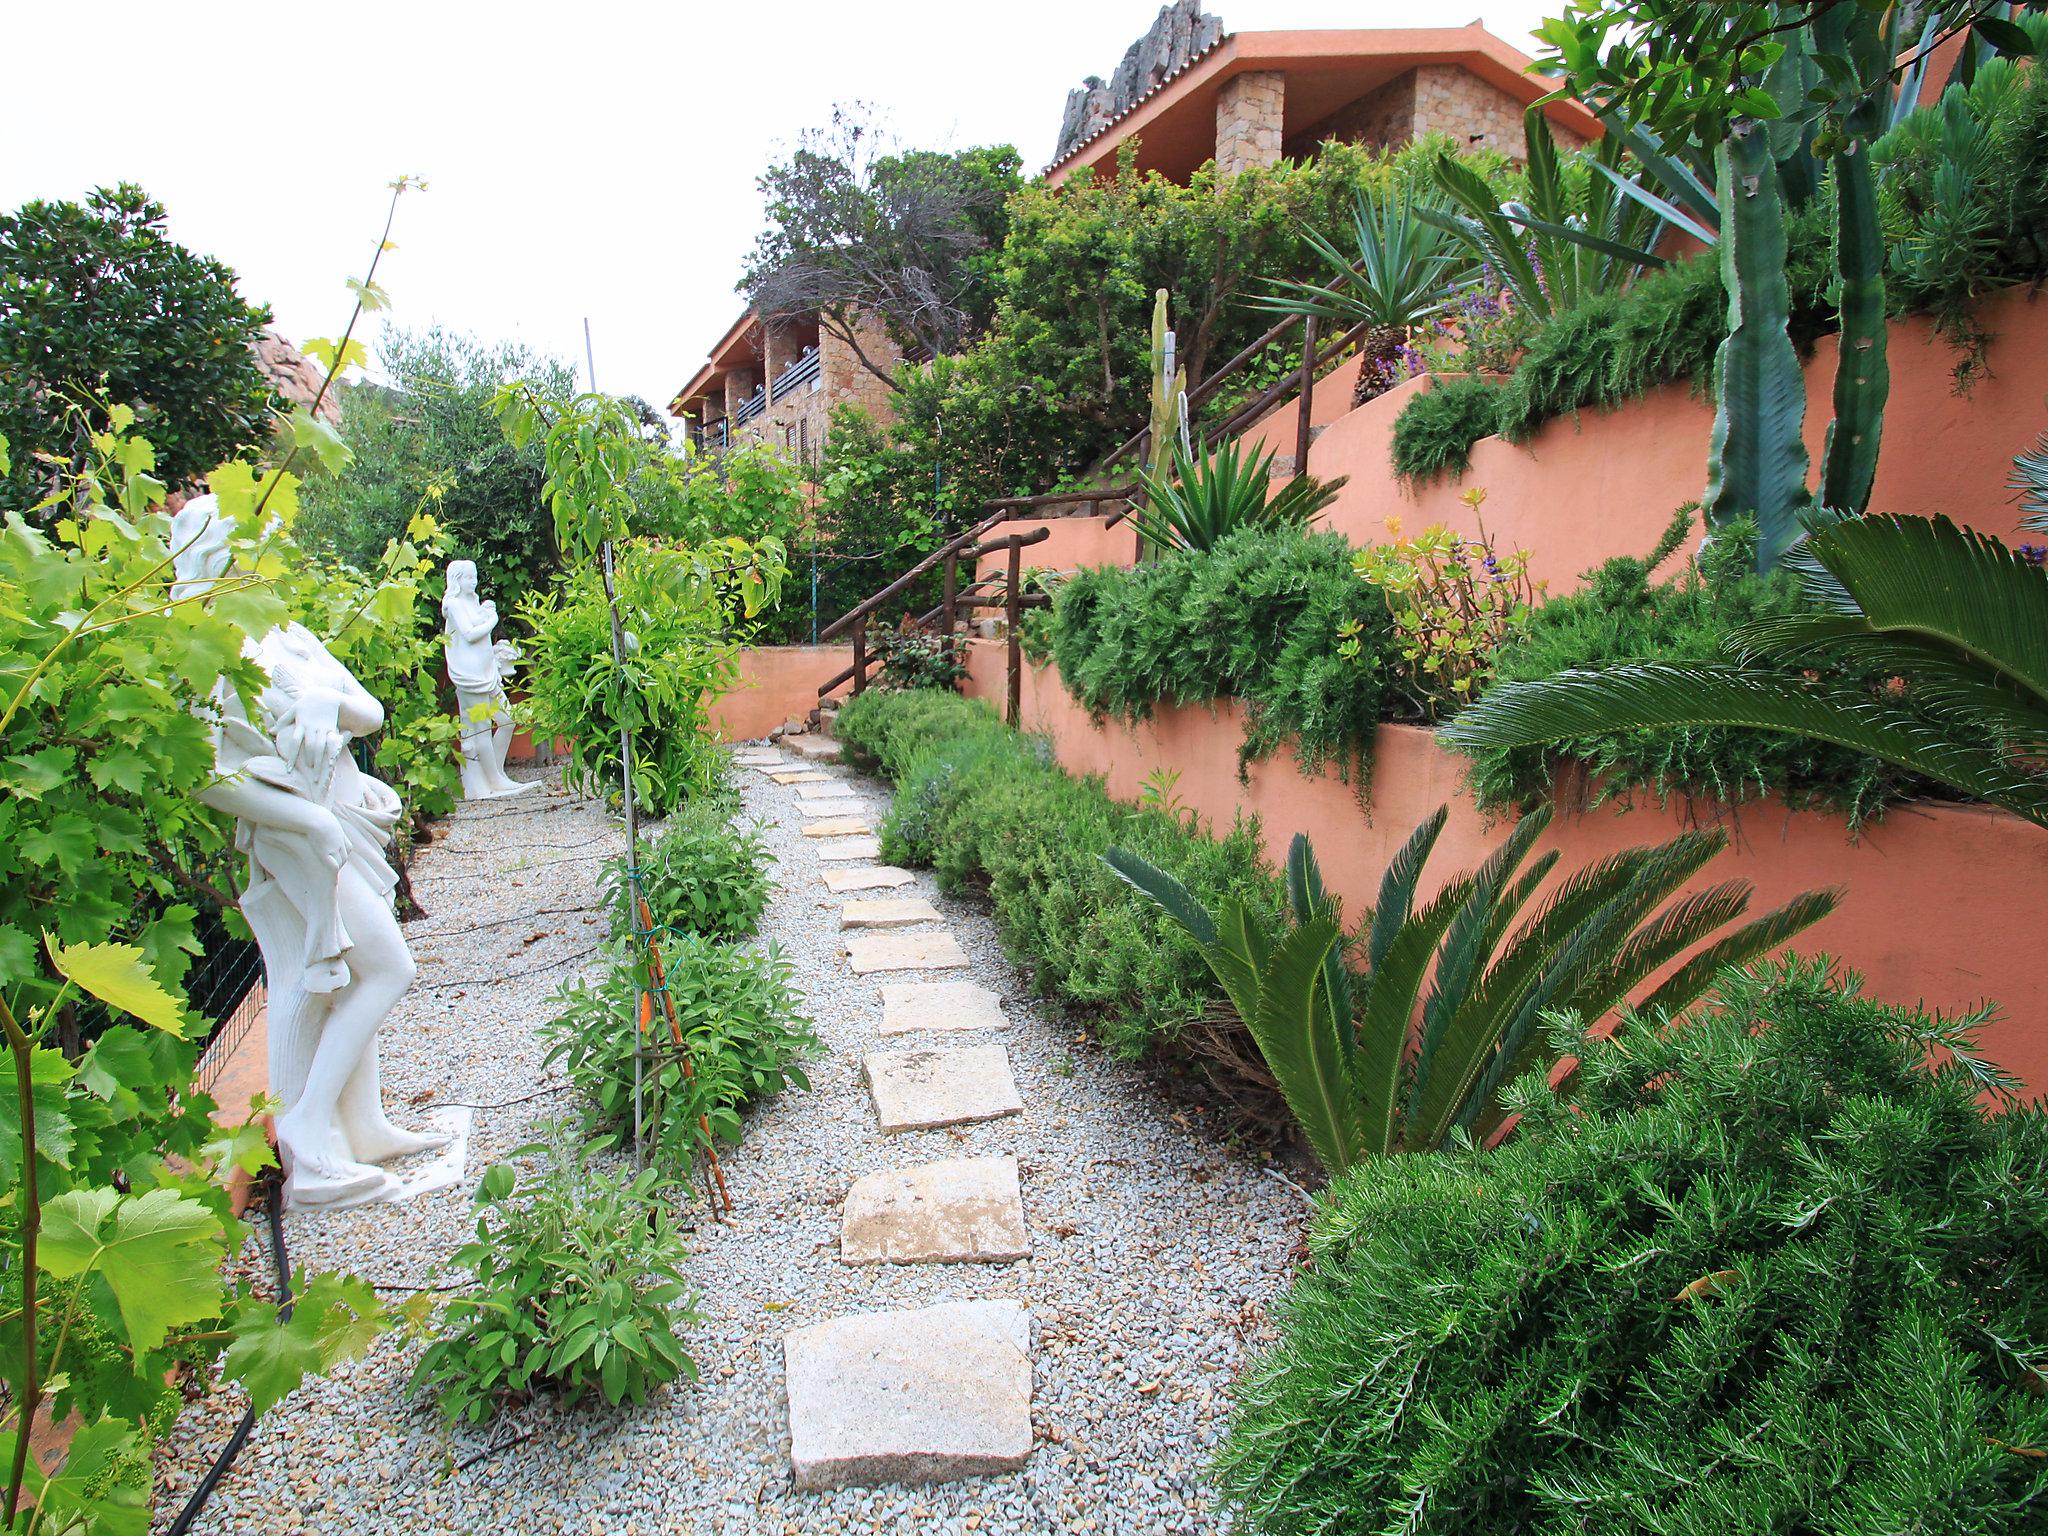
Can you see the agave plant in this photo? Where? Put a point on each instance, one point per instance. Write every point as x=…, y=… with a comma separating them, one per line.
x=1222, y=492
x=1359, y=1076
x=1402, y=269
x=1958, y=620
x=2030, y=479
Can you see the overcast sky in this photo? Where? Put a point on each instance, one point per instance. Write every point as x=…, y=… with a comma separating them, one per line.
x=589, y=159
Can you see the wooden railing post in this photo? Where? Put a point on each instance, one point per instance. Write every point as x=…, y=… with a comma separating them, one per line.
x=860, y=653
x=1012, y=612
x=1308, y=390
x=952, y=593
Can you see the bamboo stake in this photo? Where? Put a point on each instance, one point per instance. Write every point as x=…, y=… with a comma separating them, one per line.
x=675, y=1030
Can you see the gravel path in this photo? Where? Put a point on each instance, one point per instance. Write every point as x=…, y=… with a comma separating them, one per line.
x=1156, y=1246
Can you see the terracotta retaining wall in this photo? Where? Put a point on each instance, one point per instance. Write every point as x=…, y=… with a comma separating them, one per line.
x=1597, y=484
x=777, y=683
x=1943, y=904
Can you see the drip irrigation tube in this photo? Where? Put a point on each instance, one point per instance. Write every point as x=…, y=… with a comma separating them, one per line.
x=274, y=1202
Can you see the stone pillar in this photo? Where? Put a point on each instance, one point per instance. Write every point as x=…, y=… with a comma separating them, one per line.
x=1249, y=113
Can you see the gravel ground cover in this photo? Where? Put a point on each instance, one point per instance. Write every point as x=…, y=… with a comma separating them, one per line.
x=1156, y=1246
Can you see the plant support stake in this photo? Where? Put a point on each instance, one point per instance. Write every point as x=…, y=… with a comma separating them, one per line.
x=611, y=601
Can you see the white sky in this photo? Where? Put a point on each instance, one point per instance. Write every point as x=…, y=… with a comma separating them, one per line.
x=587, y=159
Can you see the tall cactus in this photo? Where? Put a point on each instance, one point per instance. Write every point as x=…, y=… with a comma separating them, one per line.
x=1757, y=461
x=1862, y=372
x=1169, y=386
x=1169, y=383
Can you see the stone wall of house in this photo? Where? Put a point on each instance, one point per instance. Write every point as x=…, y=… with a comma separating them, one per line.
x=1249, y=112
x=847, y=380
x=1431, y=98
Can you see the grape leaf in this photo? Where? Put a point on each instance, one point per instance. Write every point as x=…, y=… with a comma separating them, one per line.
x=158, y=1253
x=117, y=975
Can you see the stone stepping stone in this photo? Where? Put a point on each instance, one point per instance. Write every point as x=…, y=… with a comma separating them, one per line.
x=939, y=1007
x=890, y=912
x=925, y=1090
x=819, y=749
x=759, y=757
x=882, y=877
x=832, y=789
x=838, y=805
x=798, y=776
x=838, y=826
x=870, y=952
x=851, y=848
x=924, y=1396
x=966, y=1210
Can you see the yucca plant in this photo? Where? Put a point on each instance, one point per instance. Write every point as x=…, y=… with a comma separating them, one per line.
x=1358, y=1075
x=1222, y=492
x=1402, y=269
x=1956, y=619
x=1559, y=246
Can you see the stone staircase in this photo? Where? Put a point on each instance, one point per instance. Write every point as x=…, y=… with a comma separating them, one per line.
x=939, y=1392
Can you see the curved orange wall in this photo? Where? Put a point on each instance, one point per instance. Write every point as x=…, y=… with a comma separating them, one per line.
x=1943, y=904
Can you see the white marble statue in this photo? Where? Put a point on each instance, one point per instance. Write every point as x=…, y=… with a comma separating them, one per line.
x=319, y=892
x=479, y=667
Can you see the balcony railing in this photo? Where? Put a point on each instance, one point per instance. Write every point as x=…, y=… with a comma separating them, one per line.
x=750, y=407
x=799, y=373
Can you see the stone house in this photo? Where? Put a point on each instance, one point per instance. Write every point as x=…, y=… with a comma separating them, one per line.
x=777, y=383
x=1189, y=92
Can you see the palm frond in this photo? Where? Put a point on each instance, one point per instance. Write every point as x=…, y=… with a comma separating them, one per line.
x=1666, y=695
x=1756, y=938
x=1299, y=1036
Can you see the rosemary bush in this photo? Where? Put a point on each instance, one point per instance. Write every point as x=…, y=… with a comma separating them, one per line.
x=1766, y=1271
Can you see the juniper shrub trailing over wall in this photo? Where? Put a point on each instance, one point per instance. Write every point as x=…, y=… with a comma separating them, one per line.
x=1622, y=616
x=1256, y=619
x=988, y=808
x=1768, y=1271
x=1436, y=429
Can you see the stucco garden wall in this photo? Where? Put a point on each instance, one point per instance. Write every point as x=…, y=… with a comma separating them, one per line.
x=1941, y=902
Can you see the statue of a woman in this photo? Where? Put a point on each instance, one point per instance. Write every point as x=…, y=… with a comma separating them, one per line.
x=479, y=667
x=319, y=892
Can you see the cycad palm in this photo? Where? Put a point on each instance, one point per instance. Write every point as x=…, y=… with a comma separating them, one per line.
x=1359, y=1078
x=1958, y=620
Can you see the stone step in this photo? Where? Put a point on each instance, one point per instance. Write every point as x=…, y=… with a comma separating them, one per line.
x=819, y=749
x=882, y=877
x=833, y=789
x=890, y=912
x=871, y=952
x=798, y=776
x=760, y=759
x=965, y=1210
x=838, y=805
x=923, y=1396
x=850, y=848
x=939, y=1007
x=924, y=1090
x=838, y=826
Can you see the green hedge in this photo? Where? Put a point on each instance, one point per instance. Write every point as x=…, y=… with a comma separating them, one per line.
x=1622, y=617
x=1767, y=1273
x=1664, y=329
x=988, y=808
x=1256, y=619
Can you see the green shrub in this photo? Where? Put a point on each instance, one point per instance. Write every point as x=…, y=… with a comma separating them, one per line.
x=988, y=808
x=575, y=1287
x=702, y=875
x=1258, y=619
x=744, y=1037
x=681, y=659
x=1436, y=429
x=1663, y=329
x=1768, y=1271
x=1622, y=616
